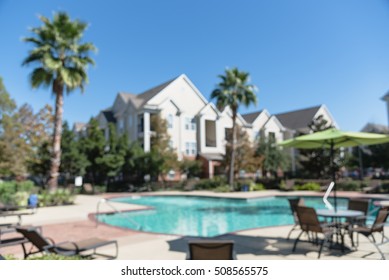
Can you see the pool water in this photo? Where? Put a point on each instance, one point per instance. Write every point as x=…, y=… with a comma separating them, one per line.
x=205, y=216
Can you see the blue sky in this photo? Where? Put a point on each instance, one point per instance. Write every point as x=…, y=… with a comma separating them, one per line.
x=300, y=53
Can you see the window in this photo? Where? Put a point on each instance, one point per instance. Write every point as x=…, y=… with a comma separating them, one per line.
x=194, y=148
x=120, y=125
x=193, y=124
x=191, y=148
x=140, y=123
x=170, y=121
x=129, y=121
x=190, y=123
x=171, y=146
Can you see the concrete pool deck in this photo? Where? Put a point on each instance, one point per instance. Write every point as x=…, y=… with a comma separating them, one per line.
x=74, y=222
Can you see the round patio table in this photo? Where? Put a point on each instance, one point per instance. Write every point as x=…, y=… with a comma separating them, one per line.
x=339, y=213
x=336, y=217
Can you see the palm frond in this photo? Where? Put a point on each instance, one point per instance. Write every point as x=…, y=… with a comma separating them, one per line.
x=41, y=77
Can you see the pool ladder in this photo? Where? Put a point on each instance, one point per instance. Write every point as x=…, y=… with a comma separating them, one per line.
x=103, y=200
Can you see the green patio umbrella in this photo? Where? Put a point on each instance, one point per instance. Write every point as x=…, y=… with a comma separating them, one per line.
x=332, y=139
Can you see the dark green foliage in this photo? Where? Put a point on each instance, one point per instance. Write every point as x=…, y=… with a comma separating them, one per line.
x=315, y=163
x=307, y=187
x=208, y=184
x=192, y=168
x=73, y=162
x=273, y=158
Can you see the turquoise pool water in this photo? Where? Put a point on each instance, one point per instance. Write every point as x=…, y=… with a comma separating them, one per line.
x=205, y=216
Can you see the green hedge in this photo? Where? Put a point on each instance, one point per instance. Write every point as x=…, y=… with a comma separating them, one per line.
x=307, y=187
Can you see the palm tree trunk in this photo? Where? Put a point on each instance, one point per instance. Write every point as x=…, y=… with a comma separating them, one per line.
x=56, y=149
x=232, y=162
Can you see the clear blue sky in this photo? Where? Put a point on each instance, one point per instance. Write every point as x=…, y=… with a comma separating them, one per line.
x=300, y=53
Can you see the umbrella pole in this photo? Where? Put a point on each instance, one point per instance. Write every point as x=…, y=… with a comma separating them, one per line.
x=333, y=172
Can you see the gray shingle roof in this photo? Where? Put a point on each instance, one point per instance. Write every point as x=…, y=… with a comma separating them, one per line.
x=138, y=100
x=249, y=118
x=298, y=119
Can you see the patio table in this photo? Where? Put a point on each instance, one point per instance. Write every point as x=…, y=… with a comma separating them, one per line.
x=336, y=217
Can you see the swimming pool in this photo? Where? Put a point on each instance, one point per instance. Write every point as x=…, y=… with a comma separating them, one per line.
x=206, y=216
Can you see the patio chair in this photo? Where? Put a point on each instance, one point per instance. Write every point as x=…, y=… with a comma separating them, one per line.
x=43, y=244
x=309, y=224
x=293, y=203
x=358, y=205
x=368, y=232
x=211, y=250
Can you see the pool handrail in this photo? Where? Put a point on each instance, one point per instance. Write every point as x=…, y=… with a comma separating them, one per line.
x=107, y=202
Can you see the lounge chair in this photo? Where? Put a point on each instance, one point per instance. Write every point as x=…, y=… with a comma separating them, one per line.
x=43, y=244
x=368, y=232
x=309, y=224
x=293, y=203
x=211, y=250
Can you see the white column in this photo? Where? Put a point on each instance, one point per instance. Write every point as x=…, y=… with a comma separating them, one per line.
x=146, y=131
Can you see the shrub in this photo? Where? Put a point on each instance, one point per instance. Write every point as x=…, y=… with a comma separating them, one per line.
x=224, y=188
x=349, y=186
x=16, y=193
x=307, y=187
x=256, y=187
x=59, y=197
x=208, y=184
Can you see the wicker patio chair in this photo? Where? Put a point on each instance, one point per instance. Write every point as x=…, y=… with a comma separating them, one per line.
x=293, y=203
x=211, y=250
x=377, y=227
x=43, y=244
x=309, y=224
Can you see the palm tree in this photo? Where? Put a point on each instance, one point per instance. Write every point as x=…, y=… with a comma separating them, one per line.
x=232, y=91
x=61, y=61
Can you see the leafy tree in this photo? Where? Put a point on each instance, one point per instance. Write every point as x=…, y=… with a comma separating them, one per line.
x=161, y=156
x=245, y=156
x=39, y=164
x=192, y=168
x=315, y=162
x=112, y=161
x=273, y=158
x=93, y=146
x=234, y=90
x=23, y=133
x=61, y=61
x=73, y=161
x=7, y=104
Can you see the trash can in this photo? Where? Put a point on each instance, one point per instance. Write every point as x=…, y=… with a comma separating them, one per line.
x=245, y=188
x=33, y=201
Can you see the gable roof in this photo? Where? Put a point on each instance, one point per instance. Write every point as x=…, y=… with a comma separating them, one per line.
x=375, y=128
x=298, y=119
x=108, y=115
x=138, y=100
x=250, y=118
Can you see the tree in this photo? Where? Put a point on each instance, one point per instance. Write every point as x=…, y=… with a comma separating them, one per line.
x=61, y=61
x=234, y=90
x=73, y=161
x=315, y=161
x=161, y=156
x=273, y=157
x=23, y=133
x=7, y=104
x=245, y=156
x=93, y=146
